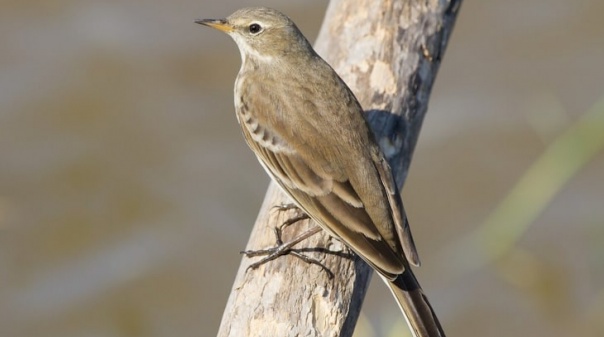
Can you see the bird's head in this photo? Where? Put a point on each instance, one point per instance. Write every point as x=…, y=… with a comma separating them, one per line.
x=262, y=33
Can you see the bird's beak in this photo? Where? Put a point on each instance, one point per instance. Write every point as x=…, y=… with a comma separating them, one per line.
x=221, y=24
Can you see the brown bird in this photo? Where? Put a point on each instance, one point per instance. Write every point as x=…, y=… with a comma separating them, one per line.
x=308, y=131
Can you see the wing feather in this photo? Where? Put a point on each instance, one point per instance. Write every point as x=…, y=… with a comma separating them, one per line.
x=344, y=189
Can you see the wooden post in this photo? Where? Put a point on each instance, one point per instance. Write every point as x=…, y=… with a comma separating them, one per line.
x=388, y=52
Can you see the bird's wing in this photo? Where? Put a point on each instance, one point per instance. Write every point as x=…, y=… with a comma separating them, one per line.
x=398, y=210
x=324, y=191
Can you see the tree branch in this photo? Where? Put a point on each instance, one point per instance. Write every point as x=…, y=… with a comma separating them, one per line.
x=388, y=52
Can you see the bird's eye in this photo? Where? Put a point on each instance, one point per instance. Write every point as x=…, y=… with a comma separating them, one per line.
x=255, y=28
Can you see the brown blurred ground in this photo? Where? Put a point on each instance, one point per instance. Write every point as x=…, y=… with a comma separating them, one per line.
x=126, y=190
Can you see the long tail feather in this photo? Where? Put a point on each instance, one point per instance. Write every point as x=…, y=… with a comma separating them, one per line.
x=415, y=305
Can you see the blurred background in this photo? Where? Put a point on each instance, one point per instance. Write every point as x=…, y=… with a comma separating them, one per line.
x=126, y=189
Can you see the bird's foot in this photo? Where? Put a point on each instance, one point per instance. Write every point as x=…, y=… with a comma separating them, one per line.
x=286, y=248
x=278, y=230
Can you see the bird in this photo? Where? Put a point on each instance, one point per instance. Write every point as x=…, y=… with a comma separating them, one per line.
x=307, y=130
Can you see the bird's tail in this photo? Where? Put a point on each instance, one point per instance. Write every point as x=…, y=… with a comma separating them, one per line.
x=415, y=305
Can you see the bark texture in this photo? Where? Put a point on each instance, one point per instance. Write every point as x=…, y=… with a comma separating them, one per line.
x=388, y=52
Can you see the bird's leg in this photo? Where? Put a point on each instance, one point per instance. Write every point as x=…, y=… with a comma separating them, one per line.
x=286, y=206
x=286, y=248
x=290, y=221
x=282, y=248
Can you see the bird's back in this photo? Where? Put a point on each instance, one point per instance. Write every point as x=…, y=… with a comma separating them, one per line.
x=301, y=134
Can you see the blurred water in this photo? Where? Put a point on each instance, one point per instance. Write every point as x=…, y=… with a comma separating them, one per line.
x=126, y=190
